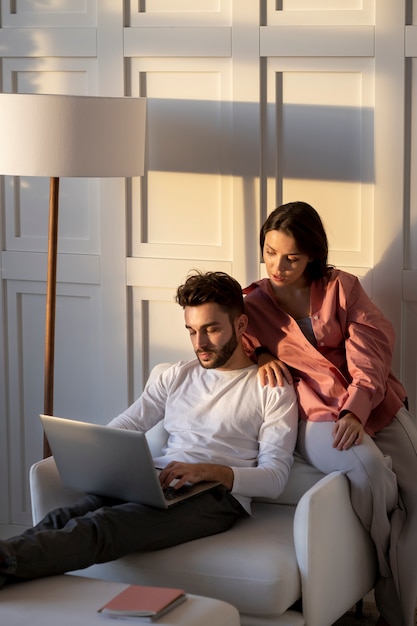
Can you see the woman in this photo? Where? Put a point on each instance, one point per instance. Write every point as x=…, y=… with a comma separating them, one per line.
x=338, y=347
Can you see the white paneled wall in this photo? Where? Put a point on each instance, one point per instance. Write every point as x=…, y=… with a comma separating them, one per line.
x=250, y=104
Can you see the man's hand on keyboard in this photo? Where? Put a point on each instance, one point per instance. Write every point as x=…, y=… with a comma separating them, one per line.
x=195, y=473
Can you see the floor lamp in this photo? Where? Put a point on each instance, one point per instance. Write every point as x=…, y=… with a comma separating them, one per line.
x=68, y=136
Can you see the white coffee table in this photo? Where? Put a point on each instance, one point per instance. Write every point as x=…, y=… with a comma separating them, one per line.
x=74, y=600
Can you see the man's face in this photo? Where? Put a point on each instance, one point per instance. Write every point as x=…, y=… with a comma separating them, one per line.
x=212, y=334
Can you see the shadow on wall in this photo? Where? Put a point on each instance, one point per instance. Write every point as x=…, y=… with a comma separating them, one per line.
x=255, y=142
x=315, y=142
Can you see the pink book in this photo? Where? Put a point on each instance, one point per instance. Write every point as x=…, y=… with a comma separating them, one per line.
x=141, y=601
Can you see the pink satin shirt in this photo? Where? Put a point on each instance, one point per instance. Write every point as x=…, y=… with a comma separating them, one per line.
x=350, y=367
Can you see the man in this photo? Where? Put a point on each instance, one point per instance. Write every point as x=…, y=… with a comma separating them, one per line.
x=222, y=425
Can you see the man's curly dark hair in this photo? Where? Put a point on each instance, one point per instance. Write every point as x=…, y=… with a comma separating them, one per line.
x=217, y=287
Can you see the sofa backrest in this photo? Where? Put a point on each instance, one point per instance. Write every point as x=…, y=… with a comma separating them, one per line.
x=302, y=477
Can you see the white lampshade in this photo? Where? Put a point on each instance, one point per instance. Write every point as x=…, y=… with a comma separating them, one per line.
x=60, y=135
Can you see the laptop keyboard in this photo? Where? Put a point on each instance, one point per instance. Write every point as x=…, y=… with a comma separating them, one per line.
x=170, y=493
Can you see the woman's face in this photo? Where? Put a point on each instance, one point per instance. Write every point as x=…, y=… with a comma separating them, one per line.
x=285, y=263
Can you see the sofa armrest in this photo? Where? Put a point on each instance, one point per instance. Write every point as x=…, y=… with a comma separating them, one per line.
x=46, y=489
x=335, y=554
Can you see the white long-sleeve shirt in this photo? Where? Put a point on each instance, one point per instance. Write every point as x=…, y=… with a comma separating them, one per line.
x=223, y=417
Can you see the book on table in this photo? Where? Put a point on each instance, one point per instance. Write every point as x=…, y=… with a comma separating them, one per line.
x=149, y=603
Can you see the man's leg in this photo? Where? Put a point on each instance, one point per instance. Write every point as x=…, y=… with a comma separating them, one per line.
x=110, y=532
x=57, y=518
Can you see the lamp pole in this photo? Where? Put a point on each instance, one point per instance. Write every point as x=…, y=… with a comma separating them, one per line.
x=51, y=304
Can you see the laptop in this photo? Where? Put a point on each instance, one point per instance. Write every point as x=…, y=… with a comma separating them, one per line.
x=111, y=462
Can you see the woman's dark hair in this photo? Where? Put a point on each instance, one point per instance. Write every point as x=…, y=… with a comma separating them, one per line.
x=301, y=222
x=216, y=287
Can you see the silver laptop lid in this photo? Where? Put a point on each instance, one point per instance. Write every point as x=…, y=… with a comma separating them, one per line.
x=106, y=461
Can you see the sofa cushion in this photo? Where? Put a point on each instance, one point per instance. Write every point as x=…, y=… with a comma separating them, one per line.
x=252, y=566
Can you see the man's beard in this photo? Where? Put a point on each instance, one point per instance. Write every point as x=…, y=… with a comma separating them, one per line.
x=223, y=354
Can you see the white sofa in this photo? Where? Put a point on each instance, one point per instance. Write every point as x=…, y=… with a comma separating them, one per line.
x=303, y=558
